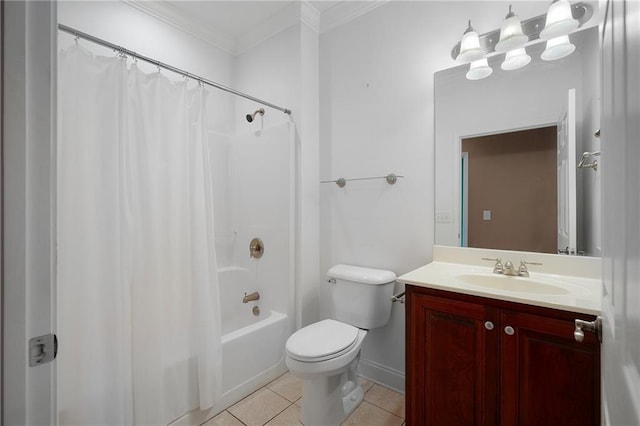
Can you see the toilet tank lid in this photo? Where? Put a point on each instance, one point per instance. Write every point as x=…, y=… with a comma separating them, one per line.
x=361, y=275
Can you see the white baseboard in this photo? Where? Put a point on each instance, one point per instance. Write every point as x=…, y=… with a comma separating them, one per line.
x=383, y=375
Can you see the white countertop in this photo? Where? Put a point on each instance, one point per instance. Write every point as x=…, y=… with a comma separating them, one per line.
x=566, y=292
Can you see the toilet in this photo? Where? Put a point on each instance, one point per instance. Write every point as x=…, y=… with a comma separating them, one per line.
x=325, y=354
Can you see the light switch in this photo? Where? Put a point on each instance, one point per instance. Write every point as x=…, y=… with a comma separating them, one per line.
x=486, y=214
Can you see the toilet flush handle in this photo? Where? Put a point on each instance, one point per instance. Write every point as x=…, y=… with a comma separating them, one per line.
x=398, y=297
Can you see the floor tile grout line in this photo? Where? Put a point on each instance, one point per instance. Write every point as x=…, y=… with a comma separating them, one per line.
x=231, y=414
x=285, y=409
x=376, y=405
x=280, y=395
x=386, y=411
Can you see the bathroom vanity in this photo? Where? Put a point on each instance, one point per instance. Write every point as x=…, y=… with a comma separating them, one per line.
x=487, y=349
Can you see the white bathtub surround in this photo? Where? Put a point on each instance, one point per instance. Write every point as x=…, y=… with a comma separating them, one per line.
x=254, y=188
x=570, y=283
x=137, y=278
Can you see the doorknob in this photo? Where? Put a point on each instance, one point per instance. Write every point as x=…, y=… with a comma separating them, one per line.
x=593, y=326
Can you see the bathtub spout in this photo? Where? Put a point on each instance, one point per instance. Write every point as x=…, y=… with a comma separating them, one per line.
x=251, y=297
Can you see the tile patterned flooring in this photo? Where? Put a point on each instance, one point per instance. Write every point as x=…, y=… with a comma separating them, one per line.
x=278, y=403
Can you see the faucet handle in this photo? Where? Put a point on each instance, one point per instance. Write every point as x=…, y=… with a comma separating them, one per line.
x=523, y=271
x=497, y=268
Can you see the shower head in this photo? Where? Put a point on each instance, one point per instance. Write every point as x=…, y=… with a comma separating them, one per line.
x=251, y=117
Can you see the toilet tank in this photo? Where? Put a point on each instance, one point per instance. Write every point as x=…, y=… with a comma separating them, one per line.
x=361, y=296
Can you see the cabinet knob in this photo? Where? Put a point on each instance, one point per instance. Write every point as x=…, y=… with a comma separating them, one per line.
x=509, y=330
x=488, y=325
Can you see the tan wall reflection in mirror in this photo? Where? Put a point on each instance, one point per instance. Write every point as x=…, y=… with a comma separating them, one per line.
x=512, y=186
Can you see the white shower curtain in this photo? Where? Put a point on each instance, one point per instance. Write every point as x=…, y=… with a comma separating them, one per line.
x=138, y=307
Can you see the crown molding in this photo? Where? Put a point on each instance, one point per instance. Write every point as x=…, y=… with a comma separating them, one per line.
x=166, y=13
x=297, y=12
x=346, y=11
x=284, y=19
x=310, y=16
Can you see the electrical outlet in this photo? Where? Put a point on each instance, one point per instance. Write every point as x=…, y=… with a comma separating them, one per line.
x=443, y=217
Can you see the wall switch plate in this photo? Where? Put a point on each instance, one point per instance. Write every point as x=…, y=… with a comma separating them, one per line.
x=486, y=215
x=443, y=217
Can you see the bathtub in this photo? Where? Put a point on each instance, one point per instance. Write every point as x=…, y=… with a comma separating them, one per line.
x=253, y=351
x=252, y=356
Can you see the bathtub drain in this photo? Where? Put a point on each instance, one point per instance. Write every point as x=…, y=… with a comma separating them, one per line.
x=256, y=310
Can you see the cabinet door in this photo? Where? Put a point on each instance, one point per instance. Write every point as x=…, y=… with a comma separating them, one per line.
x=547, y=377
x=452, y=362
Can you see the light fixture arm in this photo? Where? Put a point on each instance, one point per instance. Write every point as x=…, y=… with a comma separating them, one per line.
x=469, y=28
x=532, y=27
x=510, y=14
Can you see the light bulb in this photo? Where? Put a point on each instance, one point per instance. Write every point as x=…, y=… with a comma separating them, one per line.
x=511, y=36
x=470, y=46
x=479, y=69
x=515, y=59
x=557, y=48
x=559, y=20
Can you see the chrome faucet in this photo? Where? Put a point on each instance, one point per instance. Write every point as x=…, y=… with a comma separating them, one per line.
x=497, y=268
x=251, y=297
x=508, y=269
x=523, y=271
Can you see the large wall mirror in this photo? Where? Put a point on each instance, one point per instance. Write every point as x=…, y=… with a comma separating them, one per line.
x=506, y=177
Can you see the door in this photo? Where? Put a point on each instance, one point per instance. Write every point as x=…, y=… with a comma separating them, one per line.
x=28, y=203
x=452, y=349
x=620, y=133
x=547, y=377
x=567, y=217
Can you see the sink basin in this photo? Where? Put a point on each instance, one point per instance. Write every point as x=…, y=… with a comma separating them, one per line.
x=513, y=284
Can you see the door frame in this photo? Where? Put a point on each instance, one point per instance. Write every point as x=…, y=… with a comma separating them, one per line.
x=464, y=199
x=29, y=52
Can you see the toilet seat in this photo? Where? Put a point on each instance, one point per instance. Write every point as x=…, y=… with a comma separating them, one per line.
x=322, y=341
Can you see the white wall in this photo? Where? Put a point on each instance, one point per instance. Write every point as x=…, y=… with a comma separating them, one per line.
x=376, y=115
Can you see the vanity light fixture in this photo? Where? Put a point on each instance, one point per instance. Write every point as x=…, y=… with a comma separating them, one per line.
x=482, y=46
x=515, y=59
x=470, y=46
x=557, y=48
x=559, y=20
x=511, y=36
x=479, y=69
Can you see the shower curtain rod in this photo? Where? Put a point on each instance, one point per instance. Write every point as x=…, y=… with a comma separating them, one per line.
x=96, y=40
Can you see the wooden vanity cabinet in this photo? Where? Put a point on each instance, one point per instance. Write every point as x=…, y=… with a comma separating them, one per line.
x=465, y=367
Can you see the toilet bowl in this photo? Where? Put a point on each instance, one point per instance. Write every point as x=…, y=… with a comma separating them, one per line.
x=325, y=354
